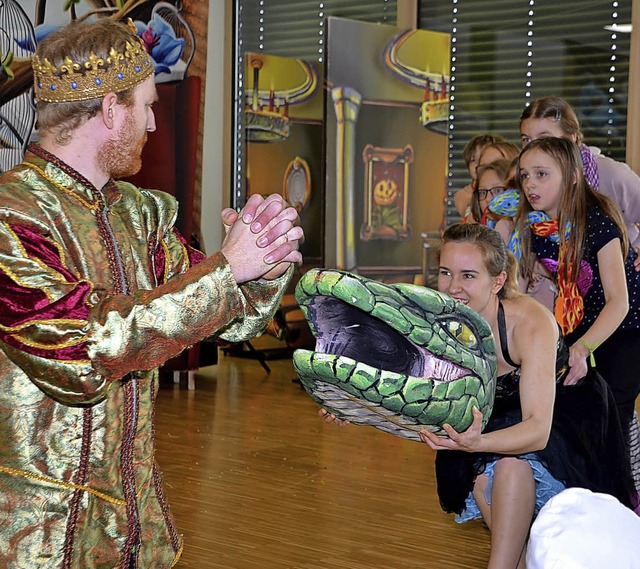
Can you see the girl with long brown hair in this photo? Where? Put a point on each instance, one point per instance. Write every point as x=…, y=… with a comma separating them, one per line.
x=580, y=236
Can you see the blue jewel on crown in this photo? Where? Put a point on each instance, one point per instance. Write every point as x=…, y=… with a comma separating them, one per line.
x=53, y=87
x=74, y=85
x=98, y=81
x=120, y=76
x=137, y=69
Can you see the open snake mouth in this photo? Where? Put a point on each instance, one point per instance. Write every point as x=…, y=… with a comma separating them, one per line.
x=346, y=331
x=398, y=357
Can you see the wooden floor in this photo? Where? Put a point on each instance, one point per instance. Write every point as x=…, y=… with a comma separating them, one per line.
x=257, y=481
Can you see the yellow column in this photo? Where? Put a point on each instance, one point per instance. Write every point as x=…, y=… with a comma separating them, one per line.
x=346, y=102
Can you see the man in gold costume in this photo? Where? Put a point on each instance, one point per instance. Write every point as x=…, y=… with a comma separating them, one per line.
x=97, y=290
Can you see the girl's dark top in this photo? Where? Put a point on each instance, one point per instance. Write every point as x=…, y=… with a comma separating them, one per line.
x=600, y=231
x=585, y=448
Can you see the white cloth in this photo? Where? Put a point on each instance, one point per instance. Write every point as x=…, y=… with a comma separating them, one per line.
x=580, y=529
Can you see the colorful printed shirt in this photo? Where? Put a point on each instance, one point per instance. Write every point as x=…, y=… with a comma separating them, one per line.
x=600, y=231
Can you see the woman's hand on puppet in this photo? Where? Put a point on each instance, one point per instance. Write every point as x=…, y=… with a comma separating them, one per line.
x=467, y=441
x=331, y=418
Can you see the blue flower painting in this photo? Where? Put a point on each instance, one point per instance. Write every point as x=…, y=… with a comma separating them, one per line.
x=161, y=43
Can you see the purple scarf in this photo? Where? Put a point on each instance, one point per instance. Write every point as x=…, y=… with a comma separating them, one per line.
x=590, y=167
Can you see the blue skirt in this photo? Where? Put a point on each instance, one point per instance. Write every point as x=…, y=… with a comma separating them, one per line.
x=546, y=488
x=585, y=449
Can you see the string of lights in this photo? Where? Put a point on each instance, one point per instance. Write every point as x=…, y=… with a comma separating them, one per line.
x=612, y=70
x=452, y=101
x=321, y=31
x=529, y=59
x=239, y=145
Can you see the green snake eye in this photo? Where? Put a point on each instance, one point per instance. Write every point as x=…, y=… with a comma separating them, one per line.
x=462, y=333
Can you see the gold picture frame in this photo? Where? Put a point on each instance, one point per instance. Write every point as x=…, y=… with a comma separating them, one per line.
x=296, y=185
x=386, y=193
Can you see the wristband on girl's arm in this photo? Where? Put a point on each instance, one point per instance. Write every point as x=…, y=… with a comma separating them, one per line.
x=591, y=348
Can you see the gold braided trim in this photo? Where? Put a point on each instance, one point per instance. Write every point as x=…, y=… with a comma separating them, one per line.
x=55, y=275
x=61, y=253
x=185, y=255
x=68, y=485
x=167, y=260
x=44, y=321
x=49, y=347
x=91, y=206
x=18, y=244
x=179, y=553
x=14, y=277
x=95, y=77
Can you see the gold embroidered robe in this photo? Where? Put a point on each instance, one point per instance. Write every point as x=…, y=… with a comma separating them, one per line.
x=97, y=290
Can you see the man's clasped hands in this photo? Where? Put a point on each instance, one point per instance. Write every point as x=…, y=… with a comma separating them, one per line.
x=263, y=239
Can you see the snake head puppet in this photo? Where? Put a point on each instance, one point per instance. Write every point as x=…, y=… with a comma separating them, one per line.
x=399, y=357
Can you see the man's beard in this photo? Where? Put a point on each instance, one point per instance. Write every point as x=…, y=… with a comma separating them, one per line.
x=122, y=157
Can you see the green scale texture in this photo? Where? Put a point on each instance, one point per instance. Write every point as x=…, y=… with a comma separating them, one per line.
x=446, y=333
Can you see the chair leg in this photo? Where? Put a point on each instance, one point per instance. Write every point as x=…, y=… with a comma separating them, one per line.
x=191, y=380
x=259, y=356
x=176, y=377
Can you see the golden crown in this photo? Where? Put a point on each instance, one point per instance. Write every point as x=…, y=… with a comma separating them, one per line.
x=91, y=79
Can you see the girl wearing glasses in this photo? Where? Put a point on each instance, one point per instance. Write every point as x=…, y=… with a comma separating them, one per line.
x=493, y=179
